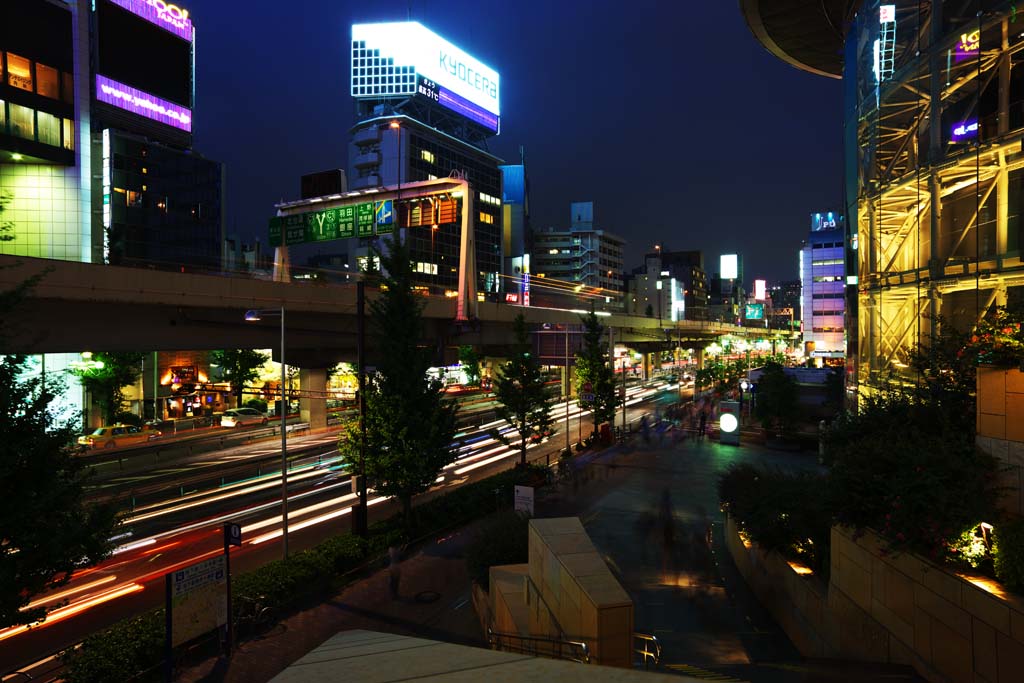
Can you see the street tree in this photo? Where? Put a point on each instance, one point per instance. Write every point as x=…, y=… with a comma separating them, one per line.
x=524, y=401
x=47, y=530
x=106, y=378
x=239, y=367
x=409, y=423
x=593, y=368
x=470, y=359
x=777, y=404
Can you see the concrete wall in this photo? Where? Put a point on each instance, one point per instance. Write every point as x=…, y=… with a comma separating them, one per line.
x=566, y=592
x=890, y=608
x=1000, y=429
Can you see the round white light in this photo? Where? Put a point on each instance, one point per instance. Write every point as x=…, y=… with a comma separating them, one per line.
x=728, y=423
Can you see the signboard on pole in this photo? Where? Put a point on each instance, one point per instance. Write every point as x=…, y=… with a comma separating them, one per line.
x=197, y=599
x=524, y=499
x=588, y=392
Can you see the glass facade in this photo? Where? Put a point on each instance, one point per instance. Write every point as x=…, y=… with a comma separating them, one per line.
x=934, y=98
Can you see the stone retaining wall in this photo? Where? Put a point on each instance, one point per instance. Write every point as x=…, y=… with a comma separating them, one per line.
x=886, y=608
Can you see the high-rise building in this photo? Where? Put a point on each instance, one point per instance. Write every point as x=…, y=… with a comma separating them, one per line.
x=96, y=162
x=425, y=111
x=517, y=241
x=672, y=283
x=582, y=259
x=823, y=287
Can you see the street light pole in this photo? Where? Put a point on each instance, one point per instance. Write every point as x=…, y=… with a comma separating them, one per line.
x=568, y=390
x=254, y=316
x=361, y=521
x=284, y=445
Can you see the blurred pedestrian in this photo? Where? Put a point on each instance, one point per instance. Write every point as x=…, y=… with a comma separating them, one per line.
x=394, y=569
x=703, y=423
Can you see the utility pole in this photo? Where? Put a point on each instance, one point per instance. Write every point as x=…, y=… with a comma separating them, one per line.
x=361, y=517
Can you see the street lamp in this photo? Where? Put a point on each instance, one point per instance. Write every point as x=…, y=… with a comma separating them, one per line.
x=253, y=315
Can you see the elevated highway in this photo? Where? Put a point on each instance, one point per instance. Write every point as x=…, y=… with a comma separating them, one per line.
x=78, y=306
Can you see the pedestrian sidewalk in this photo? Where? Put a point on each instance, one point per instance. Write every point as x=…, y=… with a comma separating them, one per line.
x=434, y=602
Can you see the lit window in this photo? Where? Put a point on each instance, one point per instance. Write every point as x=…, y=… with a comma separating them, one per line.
x=486, y=218
x=3, y=117
x=427, y=156
x=69, y=134
x=19, y=72
x=49, y=129
x=23, y=122
x=47, y=81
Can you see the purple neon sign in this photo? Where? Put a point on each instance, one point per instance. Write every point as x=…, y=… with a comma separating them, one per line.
x=164, y=14
x=964, y=130
x=142, y=103
x=460, y=104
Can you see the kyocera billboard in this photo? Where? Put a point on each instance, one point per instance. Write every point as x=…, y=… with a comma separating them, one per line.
x=393, y=59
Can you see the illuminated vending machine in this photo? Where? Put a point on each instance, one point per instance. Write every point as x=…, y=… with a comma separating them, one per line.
x=729, y=423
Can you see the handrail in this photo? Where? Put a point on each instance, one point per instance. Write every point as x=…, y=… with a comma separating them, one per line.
x=646, y=639
x=577, y=649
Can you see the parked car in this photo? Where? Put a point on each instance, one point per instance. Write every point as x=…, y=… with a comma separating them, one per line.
x=119, y=435
x=240, y=417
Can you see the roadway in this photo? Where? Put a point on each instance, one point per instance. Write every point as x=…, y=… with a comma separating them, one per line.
x=177, y=530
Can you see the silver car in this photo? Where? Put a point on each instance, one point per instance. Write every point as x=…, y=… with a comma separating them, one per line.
x=240, y=417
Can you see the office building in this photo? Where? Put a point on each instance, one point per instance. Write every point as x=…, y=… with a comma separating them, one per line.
x=582, y=262
x=823, y=288
x=419, y=120
x=669, y=286
x=96, y=162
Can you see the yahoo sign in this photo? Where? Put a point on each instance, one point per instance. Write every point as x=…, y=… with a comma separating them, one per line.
x=965, y=130
x=142, y=103
x=163, y=14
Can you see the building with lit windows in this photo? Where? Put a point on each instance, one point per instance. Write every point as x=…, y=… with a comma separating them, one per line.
x=96, y=162
x=933, y=159
x=669, y=286
x=823, y=288
x=586, y=259
x=419, y=120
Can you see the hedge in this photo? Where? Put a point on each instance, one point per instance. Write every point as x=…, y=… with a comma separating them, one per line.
x=135, y=645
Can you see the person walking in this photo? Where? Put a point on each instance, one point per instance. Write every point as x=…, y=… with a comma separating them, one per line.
x=703, y=423
x=394, y=569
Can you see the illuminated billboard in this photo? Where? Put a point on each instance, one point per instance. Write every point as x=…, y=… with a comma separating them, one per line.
x=754, y=312
x=729, y=267
x=406, y=58
x=760, y=287
x=144, y=59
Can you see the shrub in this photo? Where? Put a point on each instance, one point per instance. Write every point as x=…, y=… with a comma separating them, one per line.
x=124, y=417
x=909, y=469
x=257, y=404
x=1008, y=554
x=503, y=539
x=784, y=512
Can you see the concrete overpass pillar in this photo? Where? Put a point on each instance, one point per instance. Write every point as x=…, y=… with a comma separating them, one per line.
x=647, y=365
x=313, y=401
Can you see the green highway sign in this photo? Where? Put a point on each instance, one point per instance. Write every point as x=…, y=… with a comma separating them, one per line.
x=356, y=220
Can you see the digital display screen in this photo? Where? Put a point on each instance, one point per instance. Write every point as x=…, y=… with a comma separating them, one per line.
x=729, y=267
x=139, y=53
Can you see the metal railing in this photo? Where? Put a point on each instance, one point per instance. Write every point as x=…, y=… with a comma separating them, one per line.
x=570, y=650
x=648, y=647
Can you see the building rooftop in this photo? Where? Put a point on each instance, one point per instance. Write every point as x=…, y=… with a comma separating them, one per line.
x=808, y=34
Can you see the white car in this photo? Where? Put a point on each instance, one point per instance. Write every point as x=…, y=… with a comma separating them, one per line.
x=240, y=417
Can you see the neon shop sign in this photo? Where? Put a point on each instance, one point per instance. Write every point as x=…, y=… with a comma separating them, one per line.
x=968, y=46
x=965, y=129
x=163, y=14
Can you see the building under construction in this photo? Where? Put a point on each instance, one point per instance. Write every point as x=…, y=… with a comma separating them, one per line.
x=934, y=121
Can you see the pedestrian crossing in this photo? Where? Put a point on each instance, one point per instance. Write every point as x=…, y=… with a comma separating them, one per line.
x=703, y=674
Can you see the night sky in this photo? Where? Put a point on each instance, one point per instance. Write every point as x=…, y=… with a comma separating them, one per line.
x=670, y=116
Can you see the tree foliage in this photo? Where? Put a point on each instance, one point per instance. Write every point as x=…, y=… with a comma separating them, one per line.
x=239, y=367
x=410, y=424
x=470, y=359
x=776, y=406
x=592, y=365
x=46, y=529
x=106, y=382
x=524, y=401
